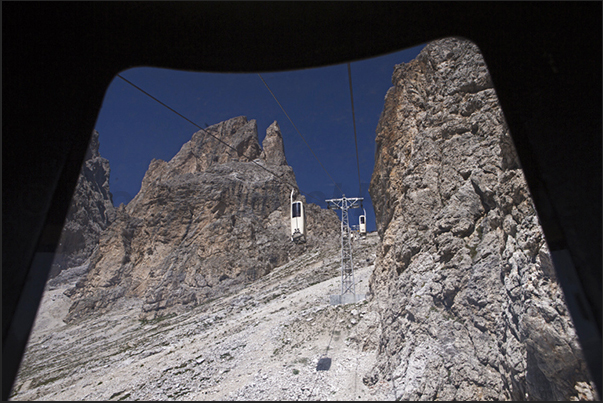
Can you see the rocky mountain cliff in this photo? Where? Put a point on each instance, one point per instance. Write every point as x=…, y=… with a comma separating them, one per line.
x=212, y=219
x=90, y=213
x=470, y=306
x=462, y=301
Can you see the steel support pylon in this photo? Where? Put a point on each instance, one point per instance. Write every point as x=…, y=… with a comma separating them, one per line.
x=348, y=286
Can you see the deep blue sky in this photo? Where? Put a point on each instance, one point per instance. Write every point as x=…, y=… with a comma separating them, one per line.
x=134, y=128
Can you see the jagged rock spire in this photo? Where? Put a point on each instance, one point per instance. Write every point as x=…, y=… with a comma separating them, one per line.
x=202, y=224
x=273, y=147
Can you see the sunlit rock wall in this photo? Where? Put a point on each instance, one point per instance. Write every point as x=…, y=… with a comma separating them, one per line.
x=211, y=220
x=470, y=306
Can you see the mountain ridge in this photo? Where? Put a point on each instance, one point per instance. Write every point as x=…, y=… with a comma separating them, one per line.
x=462, y=299
x=205, y=223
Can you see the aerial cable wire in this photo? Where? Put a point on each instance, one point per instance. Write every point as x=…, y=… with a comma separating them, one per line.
x=208, y=133
x=298, y=132
x=355, y=136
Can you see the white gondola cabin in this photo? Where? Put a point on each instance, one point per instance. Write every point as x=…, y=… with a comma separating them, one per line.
x=298, y=221
x=362, y=224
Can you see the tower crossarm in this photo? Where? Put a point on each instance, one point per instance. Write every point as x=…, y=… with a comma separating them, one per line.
x=344, y=203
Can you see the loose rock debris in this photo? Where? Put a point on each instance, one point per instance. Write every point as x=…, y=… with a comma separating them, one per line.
x=265, y=342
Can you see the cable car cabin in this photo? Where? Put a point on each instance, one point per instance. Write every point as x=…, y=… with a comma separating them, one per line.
x=362, y=225
x=298, y=222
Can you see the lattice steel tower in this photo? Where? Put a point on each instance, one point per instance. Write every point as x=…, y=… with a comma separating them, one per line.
x=347, y=262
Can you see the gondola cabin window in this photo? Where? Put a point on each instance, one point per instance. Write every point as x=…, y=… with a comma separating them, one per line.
x=298, y=225
x=296, y=210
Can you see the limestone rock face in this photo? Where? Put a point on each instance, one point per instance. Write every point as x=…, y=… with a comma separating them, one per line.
x=203, y=225
x=90, y=213
x=273, y=148
x=470, y=305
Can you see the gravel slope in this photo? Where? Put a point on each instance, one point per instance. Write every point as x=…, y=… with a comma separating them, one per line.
x=262, y=343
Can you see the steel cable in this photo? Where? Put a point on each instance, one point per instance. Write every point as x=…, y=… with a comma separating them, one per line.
x=355, y=136
x=221, y=141
x=298, y=132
